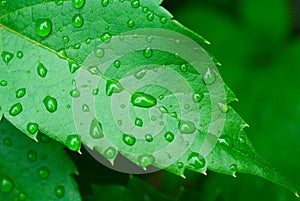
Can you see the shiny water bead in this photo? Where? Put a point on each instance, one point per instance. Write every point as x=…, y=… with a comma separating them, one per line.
x=7, y=57
x=50, y=104
x=73, y=66
x=59, y=191
x=20, y=93
x=73, y=142
x=130, y=23
x=197, y=97
x=146, y=160
x=129, y=139
x=95, y=92
x=110, y=153
x=196, y=161
x=3, y=83
x=99, y=52
x=104, y=3
x=78, y=3
x=42, y=70
x=226, y=140
x=140, y=99
x=96, y=129
x=150, y=16
x=209, y=77
x=169, y=136
x=139, y=122
x=20, y=54
x=6, y=184
x=43, y=27
x=163, y=20
x=43, y=172
x=59, y=2
x=223, y=107
x=32, y=128
x=180, y=165
x=113, y=86
x=187, y=127
x=75, y=93
x=3, y=3
x=148, y=52
x=77, y=20
x=148, y=138
x=135, y=3
x=117, y=64
x=106, y=37
x=15, y=109
x=183, y=68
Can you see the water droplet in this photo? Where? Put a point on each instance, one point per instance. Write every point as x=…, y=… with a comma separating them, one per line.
x=146, y=160
x=96, y=129
x=226, y=140
x=62, y=54
x=42, y=70
x=94, y=70
x=85, y=108
x=145, y=9
x=59, y=191
x=223, y=107
x=75, y=93
x=3, y=83
x=31, y=155
x=196, y=161
x=148, y=138
x=110, y=153
x=113, y=86
x=130, y=23
x=106, y=37
x=6, y=184
x=15, y=109
x=180, y=165
x=187, y=127
x=20, y=93
x=76, y=46
x=153, y=118
x=140, y=74
x=78, y=3
x=73, y=66
x=234, y=169
x=160, y=97
x=139, y=122
x=7, y=57
x=73, y=142
x=120, y=122
x=148, y=52
x=183, y=68
x=43, y=172
x=104, y=3
x=135, y=3
x=150, y=16
x=59, y=2
x=169, y=136
x=32, y=128
x=3, y=3
x=163, y=109
x=186, y=106
x=129, y=139
x=22, y=196
x=209, y=77
x=43, y=27
x=140, y=99
x=163, y=20
x=77, y=20
x=50, y=103
x=88, y=41
x=65, y=39
x=7, y=141
x=95, y=92
x=117, y=64
x=99, y=52
x=173, y=114
x=20, y=54
x=197, y=97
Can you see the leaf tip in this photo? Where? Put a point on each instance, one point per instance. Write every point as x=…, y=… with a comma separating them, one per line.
x=182, y=176
x=297, y=195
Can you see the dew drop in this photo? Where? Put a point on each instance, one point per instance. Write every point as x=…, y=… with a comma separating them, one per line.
x=145, y=9
x=113, y=86
x=76, y=46
x=31, y=155
x=160, y=97
x=20, y=93
x=22, y=196
x=78, y=3
x=186, y=106
x=96, y=129
x=3, y=83
x=43, y=27
x=146, y=160
x=106, y=37
x=99, y=52
x=75, y=93
x=180, y=165
x=223, y=107
x=88, y=41
x=6, y=184
x=42, y=70
x=174, y=115
x=117, y=64
x=140, y=74
x=135, y=3
x=153, y=118
x=183, y=68
x=129, y=139
x=163, y=109
x=196, y=161
x=197, y=97
x=73, y=67
x=3, y=3
x=148, y=138
x=59, y=191
x=32, y=128
x=120, y=122
x=163, y=20
x=233, y=168
x=110, y=153
x=85, y=108
x=148, y=52
x=104, y=3
x=50, y=103
x=43, y=172
x=20, y=54
x=7, y=141
x=77, y=20
x=187, y=127
x=138, y=122
x=130, y=23
x=209, y=77
x=169, y=136
x=65, y=39
x=150, y=16
x=226, y=140
x=95, y=92
x=73, y=142
x=7, y=57
x=62, y=54
x=15, y=109
x=140, y=99
x=59, y=2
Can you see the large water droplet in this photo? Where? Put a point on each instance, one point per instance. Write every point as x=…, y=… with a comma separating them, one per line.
x=50, y=103
x=148, y=52
x=187, y=127
x=209, y=77
x=6, y=184
x=110, y=153
x=7, y=57
x=32, y=128
x=43, y=172
x=104, y=3
x=129, y=139
x=106, y=37
x=31, y=155
x=169, y=136
x=15, y=109
x=226, y=140
x=146, y=160
x=42, y=70
x=196, y=161
x=77, y=20
x=20, y=93
x=3, y=83
x=73, y=142
x=43, y=27
x=148, y=138
x=96, y=129
x=135, y=3
x=140, y=99
x=113, y=86
x=59, y=191
x=78, y=3
x=139, y=122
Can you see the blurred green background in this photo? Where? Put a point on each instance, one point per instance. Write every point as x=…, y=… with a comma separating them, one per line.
x=258, y=44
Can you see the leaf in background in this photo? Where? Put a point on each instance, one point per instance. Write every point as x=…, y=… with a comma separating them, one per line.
x=34, y=171
x=46, y=44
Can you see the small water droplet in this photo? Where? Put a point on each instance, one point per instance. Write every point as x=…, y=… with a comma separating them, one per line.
x=50, y=103
x=96, y=129
x=148, y=138
x=43, y=27
x=6, y=184
x=94, y=70
x=163, y=109
x=106, y=37
x=78, y=3
x=95, y=92
x=7, y=141
x=32, y=128
x=110, y=153
x=42, y=70
x=104, y=3
x=140, y=99
x=135, y=3
x=73, y=142
x=20, y=54
x=20, y=93
x=59, y=2
x=196, y=161
x=187, y=127
x=85, y=108
x=226, y=140
x=160, y=97
x=153, y=118
x=73, y=66
x=140, y=74
x=75, y=93
x=43, y=172
x=7, y=57
x=209, y=77
x=183, y=68
x=31, y=155
x=197, y=97
x=117, y=64
x=139, y=122
x=3, y=3
x=88, y=41
x=169, y=136
x=62, y=54
x=163, y=20
x=76, y=46
x=146, y=160
x=59, y=191
x=174, y=115
x=223, y=107
x=122, y=106
x=77, y=20
x=120, y=122
x=129, y=139
x=145, y=9
x=186, y=106
x=22, y=196
x=148, y=52
x=65, y=39
x=180, y=165
x=130, y=23
x=113, y=86
x=99, y=52
x=3, y=83
x=150, y=16
x=15, y=109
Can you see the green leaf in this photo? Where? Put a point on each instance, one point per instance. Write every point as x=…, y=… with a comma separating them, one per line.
x=122, y=77
x=34, y=171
